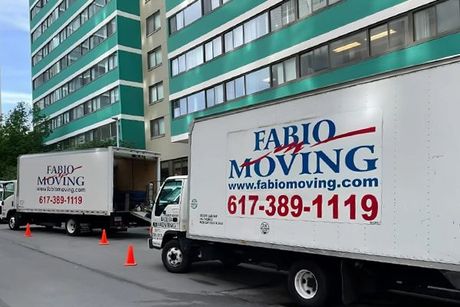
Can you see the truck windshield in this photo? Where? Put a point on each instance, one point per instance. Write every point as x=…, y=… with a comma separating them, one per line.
x=169, y=194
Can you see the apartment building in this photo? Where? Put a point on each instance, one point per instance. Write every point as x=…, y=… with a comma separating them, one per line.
x=157, y=108
x=87, y=70
x=228, y=55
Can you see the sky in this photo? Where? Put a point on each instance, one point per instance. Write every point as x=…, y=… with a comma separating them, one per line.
x=15, y=67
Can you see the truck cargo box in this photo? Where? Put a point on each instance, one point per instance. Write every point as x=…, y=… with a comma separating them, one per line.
x=367, y=171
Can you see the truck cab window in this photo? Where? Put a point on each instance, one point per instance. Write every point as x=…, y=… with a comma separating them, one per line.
x=8, y=190
x=169, y=195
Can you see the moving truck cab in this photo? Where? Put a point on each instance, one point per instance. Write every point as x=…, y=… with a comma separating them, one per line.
x=168, y=209
x=8, y=191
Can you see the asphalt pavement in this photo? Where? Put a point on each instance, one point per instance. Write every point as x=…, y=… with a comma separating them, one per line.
x=52, y=269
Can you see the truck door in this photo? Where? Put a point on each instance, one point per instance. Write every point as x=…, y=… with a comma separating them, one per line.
x=8, y=197
x=166, y=209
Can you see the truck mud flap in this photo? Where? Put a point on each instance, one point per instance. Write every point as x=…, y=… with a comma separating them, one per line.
x=185, y=244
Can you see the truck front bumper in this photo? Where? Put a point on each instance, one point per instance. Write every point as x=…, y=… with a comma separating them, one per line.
x=151, y=246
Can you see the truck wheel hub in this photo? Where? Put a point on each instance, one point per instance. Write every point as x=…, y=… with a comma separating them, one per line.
x=12, y=222
x=306, y=284
x=174, y=256
x=71, y=226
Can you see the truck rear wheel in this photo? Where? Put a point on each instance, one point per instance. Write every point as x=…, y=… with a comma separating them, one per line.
x=13, y=222
x=174, y=258
x=308, y=284
x=72, y=227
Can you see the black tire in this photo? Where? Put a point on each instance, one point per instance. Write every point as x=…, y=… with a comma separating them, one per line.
x=309, y=284
x=72, y=227
x=14, y=222
x=174, y=258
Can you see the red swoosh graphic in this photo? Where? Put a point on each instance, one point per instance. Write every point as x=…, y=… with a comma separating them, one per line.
x=348, y=134
x=296, y=147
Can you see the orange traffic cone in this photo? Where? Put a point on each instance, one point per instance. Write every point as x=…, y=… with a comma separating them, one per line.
x=104, y=240
x=130, y=261
x=28, y=233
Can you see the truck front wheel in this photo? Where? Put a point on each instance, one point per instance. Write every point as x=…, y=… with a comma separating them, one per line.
x=308, y=284
x=174, y=258
x=13, y=222
x=72, y=227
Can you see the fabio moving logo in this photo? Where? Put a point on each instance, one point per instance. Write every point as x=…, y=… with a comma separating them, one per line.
x=61, y=175
x=335, y=157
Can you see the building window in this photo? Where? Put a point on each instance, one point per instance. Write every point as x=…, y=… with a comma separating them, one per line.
x=257, y=81
x=157, y=127
x=283, y=15
x=154, y=58
x=234, y=38
x=350, y=49
x=194, y=57
x=314, y=61
x=442, y=18
x=156, y=92
x=255, y=28
x=180, y=107
x=389, y=36
x=424, y=22
x=213, y=48
x=284, y=72
x=211, y=5
x=196, y=102
x=185, y=17
x=215, y=95
x=235, y=88
x=192, y=13
x=448, y=16
x=153, y=23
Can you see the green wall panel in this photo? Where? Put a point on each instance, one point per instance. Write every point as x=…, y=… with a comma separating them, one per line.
x=129, y=32
x=132, y=100
x=329, y=19
x=133, y=133
x=130, y=66
x=446, y=46
x=129, y=6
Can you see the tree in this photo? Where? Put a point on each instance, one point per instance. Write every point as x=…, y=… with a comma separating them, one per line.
x=17, y=137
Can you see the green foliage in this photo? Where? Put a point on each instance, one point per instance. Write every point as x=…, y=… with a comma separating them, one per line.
x=17, y=137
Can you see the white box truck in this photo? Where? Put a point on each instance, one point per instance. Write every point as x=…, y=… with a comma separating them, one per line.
x=95, y=188
x=351, y=189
